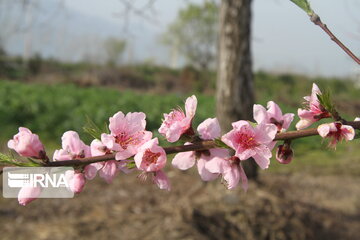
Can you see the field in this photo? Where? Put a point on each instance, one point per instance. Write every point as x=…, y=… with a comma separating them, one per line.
x=314, y=197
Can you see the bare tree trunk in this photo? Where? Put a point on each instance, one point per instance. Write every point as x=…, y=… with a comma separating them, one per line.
x=235, y=90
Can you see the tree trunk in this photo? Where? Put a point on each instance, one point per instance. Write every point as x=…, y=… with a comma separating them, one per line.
x=235, y=88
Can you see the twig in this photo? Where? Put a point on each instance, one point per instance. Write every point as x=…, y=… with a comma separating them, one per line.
x=198, y=146
x=317, y=21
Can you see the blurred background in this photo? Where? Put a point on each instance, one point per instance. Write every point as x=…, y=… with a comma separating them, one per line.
x=61, y=61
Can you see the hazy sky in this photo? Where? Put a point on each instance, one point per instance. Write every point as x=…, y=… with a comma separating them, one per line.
x=284, y=40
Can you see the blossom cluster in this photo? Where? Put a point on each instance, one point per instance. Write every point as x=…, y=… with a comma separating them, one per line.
x=135, y=148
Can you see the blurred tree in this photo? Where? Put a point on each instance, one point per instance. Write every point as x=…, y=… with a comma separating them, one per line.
x=235, y=88
x=194, y=35
x=114, y=49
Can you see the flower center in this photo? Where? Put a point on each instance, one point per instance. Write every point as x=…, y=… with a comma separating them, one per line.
x=245, y=140
x=150, y=157
x=124, y=140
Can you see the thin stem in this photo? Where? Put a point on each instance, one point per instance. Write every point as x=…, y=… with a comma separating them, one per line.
x=198, y=146
x=317, y=21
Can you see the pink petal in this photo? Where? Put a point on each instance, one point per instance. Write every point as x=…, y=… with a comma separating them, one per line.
x=72, y=143
x=209, y=129
x=243, y=177
x=174, y=132
x=190, y=106
x=109, y=171
x=262, y=161
x=108, y=141
x=274, y=110
x=28, y=194
x=117, y=123
x=303, y=123
x=323, y=130
x=203, y=172
x=184, y=160
x=11, y=144
x=288, y=118
x=260, y=114
x=348, y=132
x=314, y=92
x=61, y=155
x=216, y=160
x=91, y=170
x=229, y=138
x=232, y=176
x=162, y=180
x=136, y=121
x=75, y=180
x=240, y=124
x=265, y=133
x=125, y=154
x=244, y=154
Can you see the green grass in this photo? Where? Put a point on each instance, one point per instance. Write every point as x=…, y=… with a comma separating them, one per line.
x=50, y=110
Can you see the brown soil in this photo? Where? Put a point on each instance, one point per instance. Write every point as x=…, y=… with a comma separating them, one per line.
x=276, y=207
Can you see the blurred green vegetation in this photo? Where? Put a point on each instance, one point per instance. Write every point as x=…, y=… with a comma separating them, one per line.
x=51, y=109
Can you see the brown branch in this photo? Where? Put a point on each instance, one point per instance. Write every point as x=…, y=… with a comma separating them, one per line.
x=198, y=146
x=317, y=21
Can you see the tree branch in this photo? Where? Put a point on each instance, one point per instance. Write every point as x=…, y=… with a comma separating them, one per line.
x=198, y=146
x=317, y=21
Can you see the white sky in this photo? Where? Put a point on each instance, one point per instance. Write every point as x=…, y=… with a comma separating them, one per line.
x=284, y=40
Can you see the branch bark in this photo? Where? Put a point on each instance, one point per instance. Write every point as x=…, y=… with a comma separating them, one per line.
x=198, y=146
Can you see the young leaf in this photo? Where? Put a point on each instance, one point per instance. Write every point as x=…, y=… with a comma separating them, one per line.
x=304, y=5
x=220, y=143
x=92, y=129
x=326, y=101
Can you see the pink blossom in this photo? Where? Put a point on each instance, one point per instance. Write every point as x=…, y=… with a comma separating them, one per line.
x=127, y=134
x=209, y=129
x=27, y=144
x=75, y=180
x=272, y=116
x=28, y=194
x=151, y=159
x=284, y=154
x=313, y=111
x=231, y=170
x=177, y=123
x=107, y=170
x=72, y=147
x=251, y=142
x=337, y=132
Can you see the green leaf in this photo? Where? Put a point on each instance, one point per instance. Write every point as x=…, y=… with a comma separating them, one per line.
x=304, y=5
x=220, y=143
x=12, y=161
x=326, y=101
x=92, y=129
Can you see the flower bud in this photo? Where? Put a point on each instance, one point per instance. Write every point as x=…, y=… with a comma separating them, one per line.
x=284, y=153
x=28, y=194
x=27, y=144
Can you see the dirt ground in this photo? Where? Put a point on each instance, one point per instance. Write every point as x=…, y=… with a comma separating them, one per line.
x=277, y=207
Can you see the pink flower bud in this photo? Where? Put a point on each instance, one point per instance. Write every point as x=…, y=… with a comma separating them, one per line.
x=284, y=154
x=28, y=194
x=75, y=180
x=27, y=144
